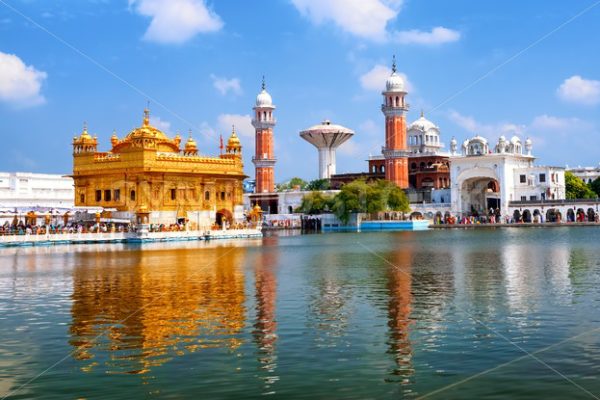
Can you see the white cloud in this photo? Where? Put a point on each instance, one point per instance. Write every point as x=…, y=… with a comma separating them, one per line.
x=368, y=19
x=468, y=123
x=540, y=129
x=438, y=35
x=581, y=91
x=471, y=125
x=242, y=123
x=363, y=18
x=375, y=78
x=164, y=126
x=351, y=148
x=20, y=84
x=176, y=21
x=558, y=124
x=224, y=85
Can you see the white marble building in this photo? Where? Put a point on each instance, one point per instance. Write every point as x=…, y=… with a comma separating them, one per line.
x=424, y=138
x=484, y=177
x=586, y=174
x=28, y=190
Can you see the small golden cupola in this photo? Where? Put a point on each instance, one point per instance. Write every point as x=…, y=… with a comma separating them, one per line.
x=85, y=143
x=114, y=139
x=234, y=146
x=191, y=148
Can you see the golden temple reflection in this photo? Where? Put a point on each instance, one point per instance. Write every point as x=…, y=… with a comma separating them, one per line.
x=133, y=311
x=399, y=284
x=265, y=327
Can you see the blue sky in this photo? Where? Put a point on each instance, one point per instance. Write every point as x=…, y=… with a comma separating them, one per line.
x=200, y=63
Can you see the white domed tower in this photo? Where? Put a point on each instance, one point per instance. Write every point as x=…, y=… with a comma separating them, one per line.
x=264, y=158
x=424, y=136
x=395, y=150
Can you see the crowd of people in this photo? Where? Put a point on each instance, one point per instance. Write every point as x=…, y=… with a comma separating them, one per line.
x=20, y=228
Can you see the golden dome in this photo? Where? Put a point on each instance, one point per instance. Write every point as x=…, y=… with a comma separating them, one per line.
x=85, y=134
x=147, y=130
x=114, y=138
x=191, y=144
x=234, y=140
x=85, y=137
x=150, y=134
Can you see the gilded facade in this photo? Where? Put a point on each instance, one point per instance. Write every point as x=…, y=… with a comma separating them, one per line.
x=147, y=170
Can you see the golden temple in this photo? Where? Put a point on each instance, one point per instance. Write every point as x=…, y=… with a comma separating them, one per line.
x=149, y=172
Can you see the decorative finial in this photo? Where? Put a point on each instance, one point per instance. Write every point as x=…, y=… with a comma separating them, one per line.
x=422, y=113
x=147, y=116
x=190, y=133
x=394, y=64
x=233, y=129
x=264, y=85
x=85, y=126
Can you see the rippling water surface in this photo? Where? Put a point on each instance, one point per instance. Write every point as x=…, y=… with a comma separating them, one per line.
x=440, y=314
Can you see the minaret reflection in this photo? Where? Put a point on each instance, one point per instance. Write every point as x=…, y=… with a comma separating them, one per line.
x=399, y=284
x=135, y=310
x=265, y=326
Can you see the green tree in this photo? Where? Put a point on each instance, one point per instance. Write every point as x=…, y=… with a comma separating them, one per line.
x=576, y=188
x=395, y=197
x=315, y=203
x=595, y=186
x=359, y=196
x=292, y=184
x=319, y=184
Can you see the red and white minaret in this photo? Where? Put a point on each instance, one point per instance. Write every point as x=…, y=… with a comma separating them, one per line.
x=395, y=150
x=264, y=159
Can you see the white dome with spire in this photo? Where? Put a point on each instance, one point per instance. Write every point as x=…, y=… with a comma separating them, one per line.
x=423, y=124
x=264, y=99
x=394, y=83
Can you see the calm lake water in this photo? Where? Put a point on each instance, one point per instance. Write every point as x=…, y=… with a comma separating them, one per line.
x=352, y=316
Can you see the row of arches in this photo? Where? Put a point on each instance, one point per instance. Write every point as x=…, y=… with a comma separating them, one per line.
x=375, y=169
x=555, y=215
x=420, y=139
x=397, y=101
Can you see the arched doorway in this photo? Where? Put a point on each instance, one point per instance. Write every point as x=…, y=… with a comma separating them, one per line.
x=527, y=216
x=537, y=216
x=580, y=215
x=570, y=215
x=553, y=215
x=224, y=218
x=517, y=216
x=591, y=214
x=480, y=196
x=416, y=215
